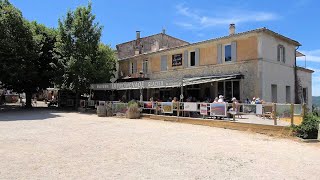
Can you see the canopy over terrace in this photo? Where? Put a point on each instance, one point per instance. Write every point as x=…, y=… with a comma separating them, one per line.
x=162, y=83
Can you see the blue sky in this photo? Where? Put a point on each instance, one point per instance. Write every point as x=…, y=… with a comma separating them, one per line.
x=194, y=20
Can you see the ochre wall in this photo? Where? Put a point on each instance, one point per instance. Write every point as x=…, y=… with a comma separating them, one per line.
x=247, y=49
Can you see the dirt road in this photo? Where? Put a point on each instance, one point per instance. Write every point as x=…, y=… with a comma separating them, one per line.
x=57, y=145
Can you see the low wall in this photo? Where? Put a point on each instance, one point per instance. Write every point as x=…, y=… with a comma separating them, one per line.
x=257, y=128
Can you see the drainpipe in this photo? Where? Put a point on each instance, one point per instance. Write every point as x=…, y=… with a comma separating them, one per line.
x=296, y=96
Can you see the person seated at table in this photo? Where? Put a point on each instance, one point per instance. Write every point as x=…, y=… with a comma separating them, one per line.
x=221, y=99
x=215, y=100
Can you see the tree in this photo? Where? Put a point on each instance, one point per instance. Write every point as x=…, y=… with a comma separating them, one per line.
x=26, y=52
x=84, y=58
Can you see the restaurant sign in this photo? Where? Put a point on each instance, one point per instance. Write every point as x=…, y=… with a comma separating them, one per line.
x=138, y=84
x=177, y=60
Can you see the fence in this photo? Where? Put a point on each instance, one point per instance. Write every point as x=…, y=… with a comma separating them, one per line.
x=290, y=113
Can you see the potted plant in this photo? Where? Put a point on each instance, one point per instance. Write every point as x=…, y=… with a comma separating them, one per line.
x=133, y=111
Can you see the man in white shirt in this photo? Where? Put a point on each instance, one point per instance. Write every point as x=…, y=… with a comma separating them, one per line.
x=221, y=99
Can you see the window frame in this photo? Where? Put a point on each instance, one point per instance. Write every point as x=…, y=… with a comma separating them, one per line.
x=145, y=64
x=224, y=53
x=281, y=53
x=189, y=59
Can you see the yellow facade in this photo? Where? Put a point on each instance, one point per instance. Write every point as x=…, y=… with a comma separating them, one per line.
x=247, y=49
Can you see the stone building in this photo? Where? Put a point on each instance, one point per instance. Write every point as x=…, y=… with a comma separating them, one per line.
x=256, y=63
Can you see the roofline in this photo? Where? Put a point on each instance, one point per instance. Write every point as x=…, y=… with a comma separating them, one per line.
x=305, y=69
x=264, y=29
x=154, y=35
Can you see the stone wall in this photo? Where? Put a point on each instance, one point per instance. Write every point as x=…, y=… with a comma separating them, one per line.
x=148, y=44
x=249, y=85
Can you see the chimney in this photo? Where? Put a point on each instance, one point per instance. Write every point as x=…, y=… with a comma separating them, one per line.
x=232, y=29
x=163, y=31
x=137, y=34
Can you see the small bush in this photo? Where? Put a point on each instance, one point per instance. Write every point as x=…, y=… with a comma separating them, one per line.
x=308, y=129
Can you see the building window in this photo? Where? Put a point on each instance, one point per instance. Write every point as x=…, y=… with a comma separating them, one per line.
x=192, y=58
x=229, y=89
x=274, y=93
x=305, y=95
x=145, y=66
x=227, y=53
x=281, y=54
x=288, y=94
x=133, y=67
x=164, y=65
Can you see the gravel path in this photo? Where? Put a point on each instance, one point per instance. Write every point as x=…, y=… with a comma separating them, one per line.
x=57, y=145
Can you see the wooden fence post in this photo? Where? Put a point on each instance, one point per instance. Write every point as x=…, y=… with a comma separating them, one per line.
x=234, y=110
x=292, y=114
x=274, y=113
x=319, y=132
x=303, y=110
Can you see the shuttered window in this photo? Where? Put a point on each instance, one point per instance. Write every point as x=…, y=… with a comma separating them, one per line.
x=133, y=67
x=281, y=54
x=164, y=65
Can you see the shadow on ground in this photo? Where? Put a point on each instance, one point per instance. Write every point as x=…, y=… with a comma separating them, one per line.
x=21, y=114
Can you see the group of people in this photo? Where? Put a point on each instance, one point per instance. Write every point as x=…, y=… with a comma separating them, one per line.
x=254, y=101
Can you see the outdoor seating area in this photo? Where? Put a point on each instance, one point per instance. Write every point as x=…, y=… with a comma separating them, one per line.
x=268, y=113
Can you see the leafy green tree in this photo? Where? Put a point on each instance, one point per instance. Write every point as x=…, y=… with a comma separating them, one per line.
x=84, y=58
x=26, y=52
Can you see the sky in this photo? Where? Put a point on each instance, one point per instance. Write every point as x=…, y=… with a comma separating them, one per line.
x=194, y=21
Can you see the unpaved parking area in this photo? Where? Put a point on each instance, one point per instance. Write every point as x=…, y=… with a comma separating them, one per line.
x=56, y=145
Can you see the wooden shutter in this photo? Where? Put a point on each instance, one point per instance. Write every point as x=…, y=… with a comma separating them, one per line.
x=284, y=54
x=219, y=53
x=135, y=67
x=197, y=56
x=185, y=59
x=234, y=51
x=278, y=53
x=164, y=63
x=130, y=67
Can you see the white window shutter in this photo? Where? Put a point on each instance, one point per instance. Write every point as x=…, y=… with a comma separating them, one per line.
x=130, y=67
x=219, y=53
x=234, y=51
x=185, y=59
x=164, y=63
x=197, y=57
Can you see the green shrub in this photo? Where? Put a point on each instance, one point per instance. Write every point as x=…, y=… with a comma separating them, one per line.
x=308, y=129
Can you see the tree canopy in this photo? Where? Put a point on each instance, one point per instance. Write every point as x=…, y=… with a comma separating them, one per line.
x=84, y=58
x=34, y=57
x=26, y=52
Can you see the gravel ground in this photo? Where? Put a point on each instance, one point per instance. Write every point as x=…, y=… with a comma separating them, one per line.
x=57, y=145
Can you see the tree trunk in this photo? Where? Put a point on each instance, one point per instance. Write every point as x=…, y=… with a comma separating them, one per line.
x=77, y=100
x=28, y=99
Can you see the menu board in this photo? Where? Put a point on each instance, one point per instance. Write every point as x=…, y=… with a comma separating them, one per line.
x=167, y=107
x=177, y=60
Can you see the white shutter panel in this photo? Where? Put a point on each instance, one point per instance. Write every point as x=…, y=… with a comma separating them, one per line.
x=234, y=51
x=219, y=53
x=197, y=57
x=185, y=59
x=164, y=63
x=130, y=67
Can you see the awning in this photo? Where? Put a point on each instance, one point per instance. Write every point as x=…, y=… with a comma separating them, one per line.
x=162, y=83
x=299, y=54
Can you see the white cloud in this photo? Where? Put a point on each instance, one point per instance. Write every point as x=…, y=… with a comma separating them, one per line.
x=311, y=56
x=196, y=20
